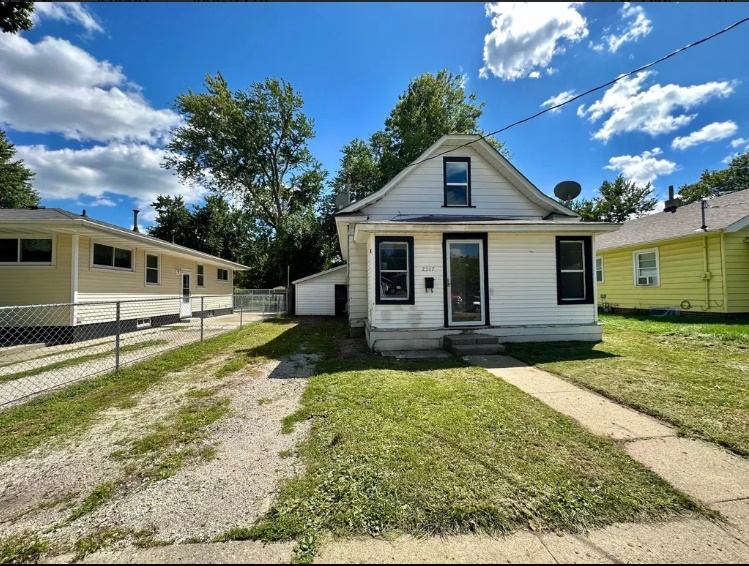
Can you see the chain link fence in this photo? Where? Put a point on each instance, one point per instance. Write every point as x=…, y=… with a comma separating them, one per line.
x=263, y=301
x=44, y=347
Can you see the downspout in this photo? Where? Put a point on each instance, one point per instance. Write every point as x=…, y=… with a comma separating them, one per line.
x=706, y=270
x=723, y=270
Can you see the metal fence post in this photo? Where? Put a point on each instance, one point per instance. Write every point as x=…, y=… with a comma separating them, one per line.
x=202, y=317
x=240, y=311
x=117, y=341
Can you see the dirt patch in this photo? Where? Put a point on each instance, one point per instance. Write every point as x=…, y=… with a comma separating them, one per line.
x=199, y=502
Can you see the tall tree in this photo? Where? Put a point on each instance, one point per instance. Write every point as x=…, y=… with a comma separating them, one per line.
x=173, y=221
x=16, y=16
x=733, y=178
x=617, y=202
x=251, y=144
x=431, y=106
x=16, y=190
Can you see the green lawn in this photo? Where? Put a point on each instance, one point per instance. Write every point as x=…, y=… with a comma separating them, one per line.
x=438, y=447
x=691, y=372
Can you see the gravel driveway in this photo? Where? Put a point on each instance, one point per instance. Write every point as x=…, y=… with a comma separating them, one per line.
x=202, y=500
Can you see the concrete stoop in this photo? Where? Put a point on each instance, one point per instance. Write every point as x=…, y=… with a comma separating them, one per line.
x=472, y=344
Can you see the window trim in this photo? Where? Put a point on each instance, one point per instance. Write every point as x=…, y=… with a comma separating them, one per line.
x=587, y=242
x=199, y=275
x=409, y=240
x=602, y=274
x=636, y=266
x=20, y=263
x=158, y=269
x=454, y=159
x=218, y=270
x=93, y=265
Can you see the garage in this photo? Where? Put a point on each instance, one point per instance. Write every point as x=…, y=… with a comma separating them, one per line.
x=323, y=293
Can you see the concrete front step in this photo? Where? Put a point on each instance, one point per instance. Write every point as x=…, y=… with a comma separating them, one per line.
x=461, y=350
x=463, y=339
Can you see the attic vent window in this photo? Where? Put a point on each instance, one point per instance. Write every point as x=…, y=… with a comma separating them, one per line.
x=457, y=181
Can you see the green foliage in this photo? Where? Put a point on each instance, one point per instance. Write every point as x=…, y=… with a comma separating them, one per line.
x=733, y=178
x=25, y=548
x=15, y=177
x=16, y=16
x=431, y=106
x=100, y=495
x=617, y=202
x=98, y=539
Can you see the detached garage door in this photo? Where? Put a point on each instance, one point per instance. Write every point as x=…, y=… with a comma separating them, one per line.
x=315, y=295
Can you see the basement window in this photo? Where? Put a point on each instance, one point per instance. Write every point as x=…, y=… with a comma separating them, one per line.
x=143, y=323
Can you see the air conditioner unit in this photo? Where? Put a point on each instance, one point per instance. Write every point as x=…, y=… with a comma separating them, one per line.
x=649, y=280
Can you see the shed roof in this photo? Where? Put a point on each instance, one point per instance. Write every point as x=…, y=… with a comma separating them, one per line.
x=313, y=276
x=721, y=213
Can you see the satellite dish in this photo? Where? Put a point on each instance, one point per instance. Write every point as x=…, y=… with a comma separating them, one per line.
x=567, y=190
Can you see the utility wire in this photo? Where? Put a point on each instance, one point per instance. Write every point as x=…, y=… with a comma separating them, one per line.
x=592, y=90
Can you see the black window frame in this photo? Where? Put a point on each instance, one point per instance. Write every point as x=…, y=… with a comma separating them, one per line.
x=19, y=255
x=588, y=273
x=410, y=300
x=114, y=258
x=454, y=159
x=157, y=269
x=218, y=274
x=200, y=276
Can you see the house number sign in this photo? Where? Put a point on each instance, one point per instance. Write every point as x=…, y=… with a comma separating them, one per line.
x=424, y=268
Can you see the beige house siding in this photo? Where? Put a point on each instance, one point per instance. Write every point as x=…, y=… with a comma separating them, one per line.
x=38, y=284
x=357, y=281
x=737, y=270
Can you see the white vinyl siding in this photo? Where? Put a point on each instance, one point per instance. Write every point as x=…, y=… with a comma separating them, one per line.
x=646, y=269
x=316, y=296
x=422, y=192
x=357, y=281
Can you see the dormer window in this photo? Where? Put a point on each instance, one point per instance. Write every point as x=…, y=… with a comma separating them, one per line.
x=457, y=175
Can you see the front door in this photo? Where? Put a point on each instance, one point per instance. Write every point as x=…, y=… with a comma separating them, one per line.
x=185, y=309
x=465, y=282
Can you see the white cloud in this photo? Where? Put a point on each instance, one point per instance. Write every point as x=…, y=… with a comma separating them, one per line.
x=560, y=98
x=534, y=75
x=739, y=142
x=54, y=86
x=132, y=170
x=654, y=111
x=527, y=35
x=635, y=24
x=710, y=133
x=68, y=12
x=642, y=169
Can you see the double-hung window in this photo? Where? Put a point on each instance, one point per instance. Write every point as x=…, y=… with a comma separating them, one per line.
x=394, y=257
x=574, y=270
x=457, y=178
x=152, y=269
x=201, y=276
x=599, y=269
x=111, y=257
x=646, y=268
x=30, y=251
x=223, y=274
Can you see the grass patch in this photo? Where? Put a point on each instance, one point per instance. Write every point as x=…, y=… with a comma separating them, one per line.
x=438, y=447
x=263, y=401
x=692, y=373
x=100, y=495
x=200, y=393
x=286, y=453
x=25, y=548
x=173, y=441
x=72, y=410
x=99, y=539
x=70, y=362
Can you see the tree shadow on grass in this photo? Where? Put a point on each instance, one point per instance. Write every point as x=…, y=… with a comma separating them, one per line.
x=548, y=352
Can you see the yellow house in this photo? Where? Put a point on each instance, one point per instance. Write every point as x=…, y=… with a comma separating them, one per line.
x=81, y=267
x=694, y=260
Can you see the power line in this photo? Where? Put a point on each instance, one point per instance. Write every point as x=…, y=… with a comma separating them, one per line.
x=587, y=92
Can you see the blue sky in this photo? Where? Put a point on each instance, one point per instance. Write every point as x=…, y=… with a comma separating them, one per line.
x=86, y=94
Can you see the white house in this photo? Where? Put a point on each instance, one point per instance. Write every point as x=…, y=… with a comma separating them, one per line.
x=460, y=241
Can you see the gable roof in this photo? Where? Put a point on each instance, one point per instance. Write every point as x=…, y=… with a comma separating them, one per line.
x=314, y=275
x=498, y=161
x=58, y=215
x=721, y=214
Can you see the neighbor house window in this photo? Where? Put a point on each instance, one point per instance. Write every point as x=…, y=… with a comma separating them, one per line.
x=574, y=270
x=646, y=268
x=599, y=269
x=457, y=174
x=26, y=250
x=152, y=269
x=394, y=270
x=201, y=276
x=223, y=274
x=115, y=258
